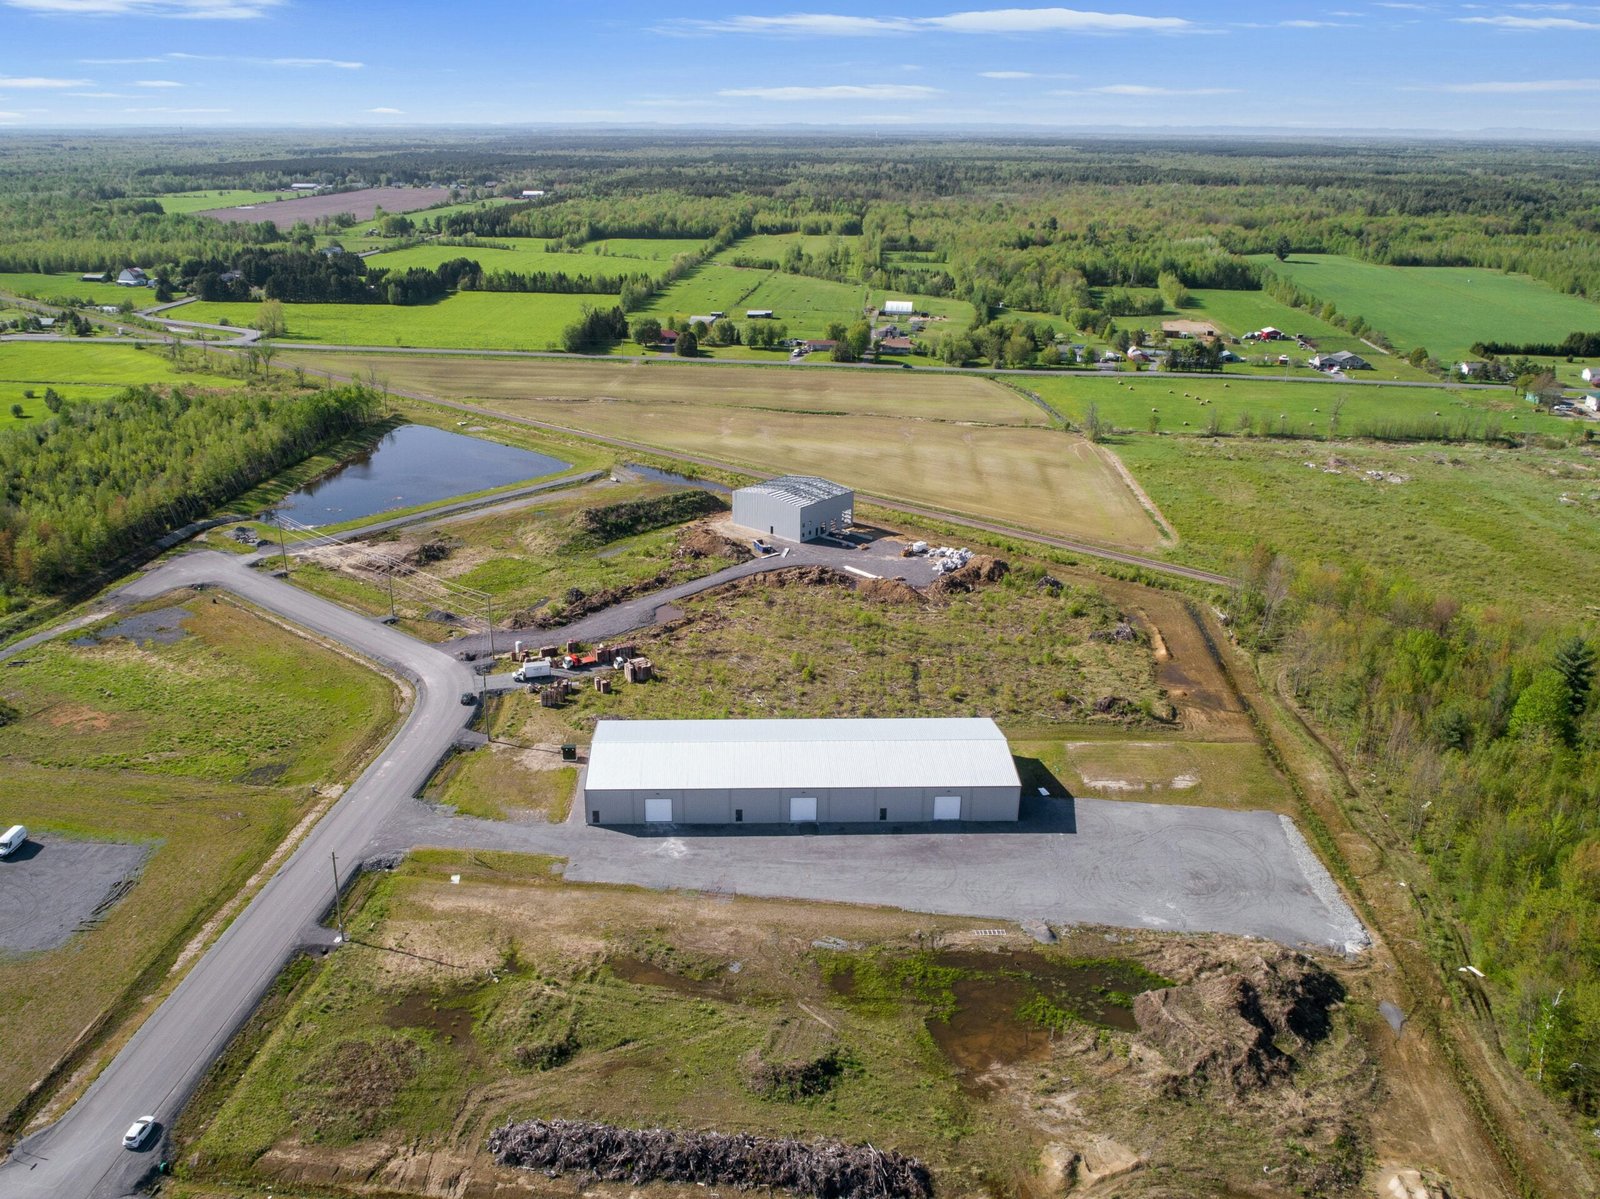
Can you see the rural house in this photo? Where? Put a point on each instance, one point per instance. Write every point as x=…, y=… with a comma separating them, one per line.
x=1341, y=360
x=133, y=277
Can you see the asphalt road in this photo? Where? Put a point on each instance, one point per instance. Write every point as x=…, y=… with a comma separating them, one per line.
x=80, y=1156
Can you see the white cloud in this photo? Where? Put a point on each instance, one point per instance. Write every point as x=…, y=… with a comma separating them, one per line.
x=120, y=62
x=9, y=116
x=35, y=82
x=337, y=63
x=1022, y=75
x=156, y=83
x=838, y=91
x=996, y=21
x=100, y=95
x=1503, y=87
x=1140, y=89
x=192, y=10
x=1530, y=24
x=388, y=112
x=165, y=108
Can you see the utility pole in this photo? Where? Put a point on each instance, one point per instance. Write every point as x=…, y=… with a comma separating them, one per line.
x=488, y=602
x=391, y=593
x=338, y=903
x=282, y=549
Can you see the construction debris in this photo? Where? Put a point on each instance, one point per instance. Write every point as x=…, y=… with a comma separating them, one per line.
x=825, y=1169
x=974, y=570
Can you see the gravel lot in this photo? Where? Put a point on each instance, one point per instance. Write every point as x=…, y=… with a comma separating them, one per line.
x=51, y=886
x=1084, y=861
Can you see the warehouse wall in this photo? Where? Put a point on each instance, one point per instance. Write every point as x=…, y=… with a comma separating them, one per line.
x=773, y=517
x=838, y=805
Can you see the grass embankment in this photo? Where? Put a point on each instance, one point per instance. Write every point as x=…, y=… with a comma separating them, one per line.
x=530, y=559
x=1467, y=520
x=91, y=370
x=209, y=750
x=962, y=445
x=516, y=995
x=1445, y=309
x=1013, y=650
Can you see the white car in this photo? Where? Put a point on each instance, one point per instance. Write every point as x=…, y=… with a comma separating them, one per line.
x=139, y=1132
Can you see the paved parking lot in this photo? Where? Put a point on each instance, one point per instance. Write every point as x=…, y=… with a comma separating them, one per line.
x=51, y=887
x=1084, y=861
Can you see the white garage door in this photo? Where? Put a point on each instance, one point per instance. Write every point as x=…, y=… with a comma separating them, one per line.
x=947, y=807
x=658, y=811
x=803, y=807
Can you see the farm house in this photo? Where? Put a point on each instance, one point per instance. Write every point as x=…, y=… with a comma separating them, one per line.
x=800, y=772
x=794, y=507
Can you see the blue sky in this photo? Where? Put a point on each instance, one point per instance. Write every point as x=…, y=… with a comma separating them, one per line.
x=1298, y=64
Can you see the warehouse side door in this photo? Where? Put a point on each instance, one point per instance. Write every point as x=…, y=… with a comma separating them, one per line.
x=658, y=811
x=947, y=807
x=802, y=808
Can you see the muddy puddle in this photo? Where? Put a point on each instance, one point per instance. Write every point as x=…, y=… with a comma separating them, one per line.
x=1004, y=1008
x=666, y=476
x=641, y=972
x=164, y=626
x=447, y=1021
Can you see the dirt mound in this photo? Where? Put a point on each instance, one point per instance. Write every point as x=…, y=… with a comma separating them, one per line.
x=428, y=552
x=1234, y=1029
x=890, y=591
x=979, y=571
x=801, y=1059
x=825, y=1169
x=700, y=541
x=794, y=576
x=581, y=605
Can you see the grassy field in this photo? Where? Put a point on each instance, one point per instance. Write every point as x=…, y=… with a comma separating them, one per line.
x=496, y=779
x=760, y=648
x=1213, y=774
x=468, y=320
x=526, y=255
x=1301, y=409
x=67, y=288
x=652, y=249
x=1468, y=520
x=200, y=201
x=84, y=371
x=1445, y=309
x=208, y=749
x=882, y=432
x=771, y=247
x=519, y=996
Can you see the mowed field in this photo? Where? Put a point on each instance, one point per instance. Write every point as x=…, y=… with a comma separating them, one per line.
x=526, y=255
x=79, y=370
x=467, y=320
x=1446, y=309
x=64, y=288
x=1303, y=408
x=362, y=204
x=202, y=201
x=976, y=449
x=208, y=749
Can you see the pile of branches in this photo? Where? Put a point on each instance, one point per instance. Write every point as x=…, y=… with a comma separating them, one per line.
x=825, y=1169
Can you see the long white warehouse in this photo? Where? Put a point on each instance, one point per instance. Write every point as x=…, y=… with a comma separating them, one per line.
x=799, y=771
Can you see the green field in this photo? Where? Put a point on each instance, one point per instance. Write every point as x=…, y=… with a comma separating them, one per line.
x=203, y=200
x=653, y=249
x=771, y=247
x=467, y=320
x=208, y=750
x=526, y=256
x=1476, y=523
x=68, y=288
x=1445, y=309
x=84, y=371
x=1302, y=408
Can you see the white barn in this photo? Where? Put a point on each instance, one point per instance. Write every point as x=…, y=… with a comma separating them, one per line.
x=800, y=772
x=794, y=507
x=898, y=308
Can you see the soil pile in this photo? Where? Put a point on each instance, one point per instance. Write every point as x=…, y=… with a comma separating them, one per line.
x=703, y=542
x=794, y=576
x=428, y=552
x=1234, y=1030
x=601, y=1152
x=979, y=570
x=890, y=591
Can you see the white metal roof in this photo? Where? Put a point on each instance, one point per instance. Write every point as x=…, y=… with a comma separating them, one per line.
x=799, y=490
x=796, y=755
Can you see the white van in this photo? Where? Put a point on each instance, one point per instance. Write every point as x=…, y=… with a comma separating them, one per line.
x=13, y=840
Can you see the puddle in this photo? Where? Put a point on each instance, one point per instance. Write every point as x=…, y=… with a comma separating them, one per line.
x=666, y=476
x=411, y=465
x=636, y=970
x=452, y=1025
x=1005, y=1008
x=164, y=626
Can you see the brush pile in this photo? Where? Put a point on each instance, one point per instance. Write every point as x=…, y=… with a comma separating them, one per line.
x=824, y=1169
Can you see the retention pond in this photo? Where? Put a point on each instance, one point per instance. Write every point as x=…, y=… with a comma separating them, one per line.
x=411, y=466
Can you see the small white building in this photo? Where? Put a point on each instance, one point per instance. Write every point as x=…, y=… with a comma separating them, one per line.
x=758, y=314
x=794, y=507
x=531, y=193
x=1590, y=374
x=133, y=277
x=898, y=308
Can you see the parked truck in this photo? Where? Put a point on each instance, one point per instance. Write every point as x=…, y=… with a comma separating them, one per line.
x=539, y=668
